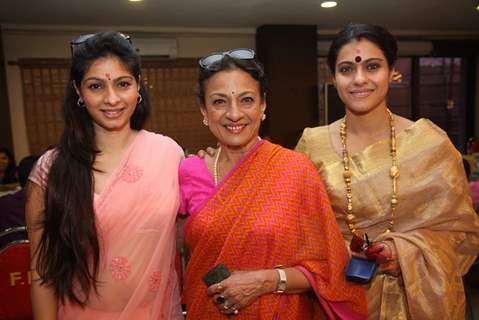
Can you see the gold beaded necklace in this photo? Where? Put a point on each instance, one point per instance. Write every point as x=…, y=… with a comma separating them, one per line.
x=347, y=174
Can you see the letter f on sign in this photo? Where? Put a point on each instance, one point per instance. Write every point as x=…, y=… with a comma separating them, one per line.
x=14, y=277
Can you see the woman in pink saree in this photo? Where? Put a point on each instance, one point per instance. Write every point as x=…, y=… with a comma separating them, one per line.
x=102, y=205
x=259, y=209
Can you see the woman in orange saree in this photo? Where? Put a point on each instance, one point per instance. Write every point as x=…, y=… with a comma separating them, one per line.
x=261, y=210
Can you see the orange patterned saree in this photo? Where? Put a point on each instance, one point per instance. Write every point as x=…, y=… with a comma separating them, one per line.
x=272, y=209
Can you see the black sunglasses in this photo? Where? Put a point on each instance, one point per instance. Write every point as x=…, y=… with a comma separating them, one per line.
x=84, y=37
x=211, y=59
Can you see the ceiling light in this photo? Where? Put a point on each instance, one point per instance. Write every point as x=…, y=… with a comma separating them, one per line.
x=135, y=0
x=477, y=8
x=329, y=4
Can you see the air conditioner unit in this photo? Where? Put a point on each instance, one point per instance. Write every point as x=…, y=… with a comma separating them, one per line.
x=161, y=47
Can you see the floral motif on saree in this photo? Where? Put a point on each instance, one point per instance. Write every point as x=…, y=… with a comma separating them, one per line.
x=135, y=219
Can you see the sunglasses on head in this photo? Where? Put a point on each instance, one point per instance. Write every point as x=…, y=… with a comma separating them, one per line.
x=211, y=59
x=84, y=37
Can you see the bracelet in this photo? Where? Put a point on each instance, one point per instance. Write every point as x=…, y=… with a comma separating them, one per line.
x=282, y=281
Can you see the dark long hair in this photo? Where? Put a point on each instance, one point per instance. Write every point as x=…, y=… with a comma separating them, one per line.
x=69, y=249
x=9, y=175
x=356, y=31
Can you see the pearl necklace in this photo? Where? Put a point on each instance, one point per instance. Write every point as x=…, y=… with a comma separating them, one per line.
x=347, y=174
x=215, y=166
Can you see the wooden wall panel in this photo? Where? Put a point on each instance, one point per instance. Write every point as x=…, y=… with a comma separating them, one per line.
x=170, y=85
x=289, y=55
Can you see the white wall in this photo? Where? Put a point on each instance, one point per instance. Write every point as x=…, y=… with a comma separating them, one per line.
x=53, y=42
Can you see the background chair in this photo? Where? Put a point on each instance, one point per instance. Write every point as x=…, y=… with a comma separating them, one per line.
x=15, y=277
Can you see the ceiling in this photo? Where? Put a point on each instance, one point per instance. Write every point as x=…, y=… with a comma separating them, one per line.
x=415, y=17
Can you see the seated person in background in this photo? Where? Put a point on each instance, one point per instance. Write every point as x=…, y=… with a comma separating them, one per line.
x=12, y=206
x=8, y=180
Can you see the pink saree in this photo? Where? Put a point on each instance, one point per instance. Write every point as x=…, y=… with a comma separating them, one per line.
x=272, y=209
x=136, y=225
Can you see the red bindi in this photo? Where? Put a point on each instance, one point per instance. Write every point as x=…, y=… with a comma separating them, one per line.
x=358, y=59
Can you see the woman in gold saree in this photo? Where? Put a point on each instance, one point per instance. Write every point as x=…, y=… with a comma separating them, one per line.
x=259, y=209
x=399, y=181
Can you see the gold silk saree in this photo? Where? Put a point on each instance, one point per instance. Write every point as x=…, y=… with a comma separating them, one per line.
x=436, y=232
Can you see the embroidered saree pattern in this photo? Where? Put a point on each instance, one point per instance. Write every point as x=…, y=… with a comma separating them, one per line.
x=272, y=209
x=135, y=218
x=436, y=230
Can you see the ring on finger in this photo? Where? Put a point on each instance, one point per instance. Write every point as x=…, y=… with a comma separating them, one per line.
x=220, y=299
x=226, y=305
x=235, y=311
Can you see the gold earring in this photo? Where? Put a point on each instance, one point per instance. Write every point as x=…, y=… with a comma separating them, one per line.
x=205, y=122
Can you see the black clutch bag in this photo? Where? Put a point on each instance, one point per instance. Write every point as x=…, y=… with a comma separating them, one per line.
x=360, y=270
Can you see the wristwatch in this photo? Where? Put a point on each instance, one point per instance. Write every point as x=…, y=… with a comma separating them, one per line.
x=282, y=281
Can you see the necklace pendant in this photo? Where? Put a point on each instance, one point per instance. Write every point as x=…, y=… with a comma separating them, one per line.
x=350, y=217
x=394, y=172
x=347, y=174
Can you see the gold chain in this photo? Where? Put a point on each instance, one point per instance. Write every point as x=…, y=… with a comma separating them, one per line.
x=347, y=175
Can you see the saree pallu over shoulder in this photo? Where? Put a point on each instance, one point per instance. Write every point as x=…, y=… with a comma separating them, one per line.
x=272, y=210
x=436, y=232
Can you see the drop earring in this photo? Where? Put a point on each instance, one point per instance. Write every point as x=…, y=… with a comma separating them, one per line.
x=263, y=117
x=205, y=122
x=80, y=103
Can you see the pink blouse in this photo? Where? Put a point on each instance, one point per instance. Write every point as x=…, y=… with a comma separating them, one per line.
x=196, y=184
